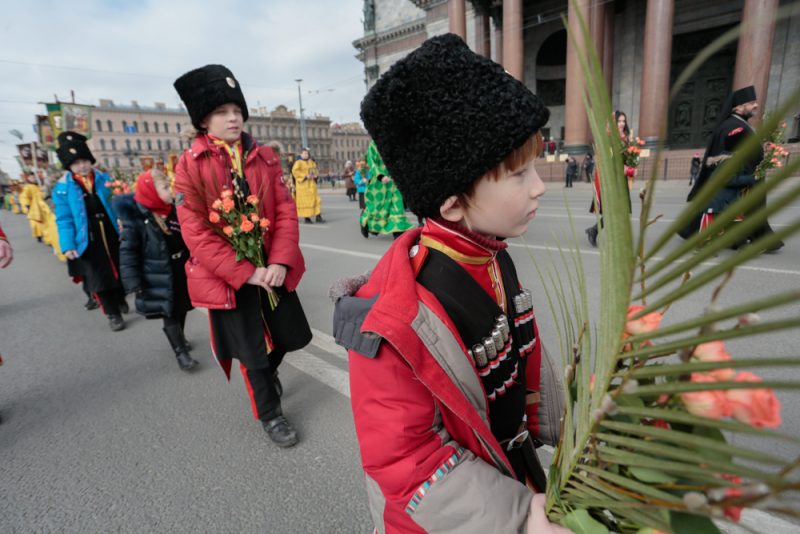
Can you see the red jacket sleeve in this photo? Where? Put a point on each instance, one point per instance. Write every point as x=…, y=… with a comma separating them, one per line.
x=211, y=249
x=3, y=234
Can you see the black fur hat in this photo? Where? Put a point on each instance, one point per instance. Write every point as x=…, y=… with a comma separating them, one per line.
x=443, y=116
x=72, y=146
x=205, y=89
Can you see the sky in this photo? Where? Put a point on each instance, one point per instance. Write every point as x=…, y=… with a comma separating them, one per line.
x=128, y=50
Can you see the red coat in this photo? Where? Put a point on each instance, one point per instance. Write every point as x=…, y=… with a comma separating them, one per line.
x=212, y=272
x=3, y=234
x=430, y=459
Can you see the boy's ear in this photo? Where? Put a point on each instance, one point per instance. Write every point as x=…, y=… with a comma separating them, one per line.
x=452, y=209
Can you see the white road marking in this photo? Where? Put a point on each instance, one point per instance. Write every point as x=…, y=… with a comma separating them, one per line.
x=327, y=343
x=321, y=370
x=344, y=251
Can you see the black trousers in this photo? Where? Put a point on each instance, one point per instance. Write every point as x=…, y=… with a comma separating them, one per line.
x=110, y=301
x=260, y=384
x=178, y=318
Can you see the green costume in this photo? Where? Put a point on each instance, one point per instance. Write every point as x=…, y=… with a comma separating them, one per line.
x=385, y=212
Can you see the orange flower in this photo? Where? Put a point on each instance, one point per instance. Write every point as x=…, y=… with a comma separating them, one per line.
x=264, y=223
x=226, y=193
x=733, y=512
x=228, y=230
x=758, y=408
x=642, y=325
x=213, y=216
x=227, y=205
x=714, y=351
x=246, y=226
x=217, y=205
x=711, y=404
x=254, y=217
x=252, y=199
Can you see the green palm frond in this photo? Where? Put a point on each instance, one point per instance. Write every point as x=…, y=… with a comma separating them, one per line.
x=632, y=454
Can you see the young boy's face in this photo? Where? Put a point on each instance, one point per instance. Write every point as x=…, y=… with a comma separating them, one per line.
x=163, y=191
x=504, y=207
x=81, y=166
x=226, y=122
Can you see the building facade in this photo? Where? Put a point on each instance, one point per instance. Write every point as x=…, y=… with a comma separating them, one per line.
x=643, y=47
x=350, y=142
x=123, y=134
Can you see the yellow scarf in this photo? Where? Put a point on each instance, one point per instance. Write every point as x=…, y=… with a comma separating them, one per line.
x=234, y=152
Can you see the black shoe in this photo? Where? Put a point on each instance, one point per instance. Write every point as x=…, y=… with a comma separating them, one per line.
x=365, y=232
x=116, y=323
x=775, y=248
x=123, y=306
x=308, y=220
x=319, y=219
x=278, y=385
x=591, y=233
x=185, y=362
x=280, y=431
x=91, y=304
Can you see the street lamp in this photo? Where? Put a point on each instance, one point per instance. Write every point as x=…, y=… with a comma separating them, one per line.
x=303, y=134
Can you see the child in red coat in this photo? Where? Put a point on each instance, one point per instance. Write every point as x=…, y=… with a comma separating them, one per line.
x=244, y=326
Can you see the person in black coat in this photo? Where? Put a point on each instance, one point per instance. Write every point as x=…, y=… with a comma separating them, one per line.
x=572, y=171
x=152, y=258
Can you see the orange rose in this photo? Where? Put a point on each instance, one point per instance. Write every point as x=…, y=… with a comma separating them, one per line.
x=254, y=218
x=228, y=230
x=714, y=351
x=264, y=223
x=217, y=205
x=252, y=199
x=213, y=216
x=227, y=205
x=642, y=325
x=226, y=193
x=733, y=512
x=246, y=226
x=711, y=404
x=756, y=407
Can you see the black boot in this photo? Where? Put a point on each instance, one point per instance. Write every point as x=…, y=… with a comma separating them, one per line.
x=116, y=323
x=308, y=220
x=91, y=304
x=280, y=431
x=591, y=233
x=175, y=335
x=186, y=345
x=365, y=231
x=319, y=219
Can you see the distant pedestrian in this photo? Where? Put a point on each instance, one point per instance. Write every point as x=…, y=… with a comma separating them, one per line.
x=572, y=171
x=306, y=176
x=349, y=182
x=152, y=258
x=588, y=167
x=361, y=177
x=695, y=169
x=551, y=146
x=385, y=211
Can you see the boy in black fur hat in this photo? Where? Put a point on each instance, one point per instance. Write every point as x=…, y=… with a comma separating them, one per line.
x=451, y=390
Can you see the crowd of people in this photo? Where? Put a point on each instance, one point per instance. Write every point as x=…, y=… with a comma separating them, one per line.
x=445, y=358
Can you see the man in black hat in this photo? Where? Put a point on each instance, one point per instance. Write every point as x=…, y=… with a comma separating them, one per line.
x=87, y=226
x=733, y=130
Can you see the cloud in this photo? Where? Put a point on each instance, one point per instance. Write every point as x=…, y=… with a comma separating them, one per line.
x=128, y=50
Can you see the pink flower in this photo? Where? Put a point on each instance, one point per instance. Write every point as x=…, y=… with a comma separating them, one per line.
x=714, y=351
x=214, y=217
x=252, y=199
x=254, y=218
x=228, y=230
x=217, y=205
x=642, y=325
x=227, y=204
x=264, y=223
x=733, y=512
x=711, y=404
x=246, y=226
x=757, y=407
x=226, y=193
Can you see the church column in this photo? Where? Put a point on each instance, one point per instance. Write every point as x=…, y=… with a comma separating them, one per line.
x=656, y=62
x=498, y=42
x=576, y=122
x=513, y=58
x=482, y=44
x=457, y=15
x=608, y=47
x=754, y=53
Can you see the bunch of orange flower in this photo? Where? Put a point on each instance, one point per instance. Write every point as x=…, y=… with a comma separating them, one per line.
x=119, y=187
x=773, y=153
x=631, y=150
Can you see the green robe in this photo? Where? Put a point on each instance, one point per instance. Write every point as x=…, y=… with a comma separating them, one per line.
x=385, y=212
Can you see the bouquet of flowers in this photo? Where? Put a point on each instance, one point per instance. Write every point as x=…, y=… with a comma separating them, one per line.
x=773, y=152
x=631, y=150
x=243, y=227
x=119, y=187
x=642, y=447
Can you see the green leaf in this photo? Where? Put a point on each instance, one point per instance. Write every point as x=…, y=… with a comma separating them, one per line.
x=690, y=523
x=645, y=474
x=580, y=522
x=716, y=435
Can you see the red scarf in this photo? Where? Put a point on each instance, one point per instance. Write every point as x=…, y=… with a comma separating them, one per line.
x=87, y=182
x=147, y=196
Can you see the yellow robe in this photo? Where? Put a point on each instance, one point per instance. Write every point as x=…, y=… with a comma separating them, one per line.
x=306, y=194
x=31, y=201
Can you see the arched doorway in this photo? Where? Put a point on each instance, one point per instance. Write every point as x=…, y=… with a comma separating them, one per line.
x=551, y=80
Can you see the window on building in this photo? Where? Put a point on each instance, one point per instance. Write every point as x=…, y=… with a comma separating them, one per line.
x=124, y=126
x=136, y=126
x=105, y=160
x=110, y=126
x=178, y=127
x=128, y=144
x=102, y=144
x=116, y=162
x=155, y=126
x=169, y=144
x=149, y=144
x=146, y=127
x=138, y=144
x=98, y=125
x=114, y=145
x=166, y=127
x=159, y=144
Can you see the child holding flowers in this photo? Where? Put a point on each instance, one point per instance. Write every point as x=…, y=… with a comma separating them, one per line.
x=240, y=224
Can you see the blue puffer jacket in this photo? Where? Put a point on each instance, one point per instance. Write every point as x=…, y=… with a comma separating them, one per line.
x=73, y=226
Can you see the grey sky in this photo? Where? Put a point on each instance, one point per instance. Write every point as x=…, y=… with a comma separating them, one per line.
x=133, y=50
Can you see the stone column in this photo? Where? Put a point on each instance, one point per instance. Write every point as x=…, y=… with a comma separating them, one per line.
x=457, y=15
x=754, y=53
x=656, y=62
x=513, y=58
x=576, y=122
x=498, y=43
x=608, y=47
x=482, y=44
x=597, y=25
